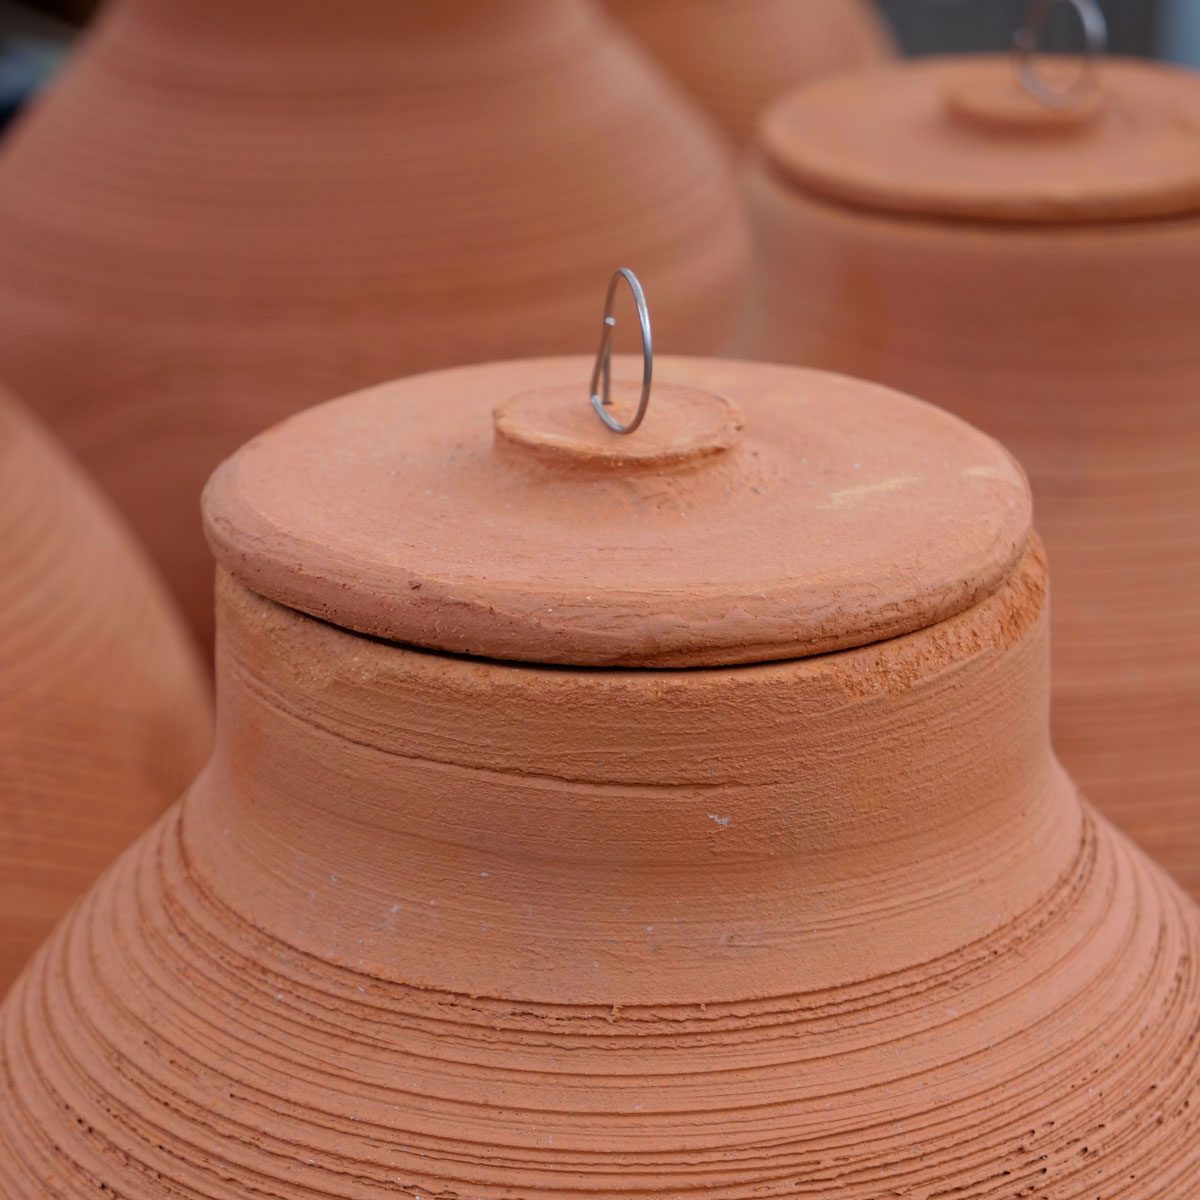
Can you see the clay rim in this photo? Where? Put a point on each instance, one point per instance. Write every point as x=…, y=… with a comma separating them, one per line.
x=899, y=577
x=896, y=139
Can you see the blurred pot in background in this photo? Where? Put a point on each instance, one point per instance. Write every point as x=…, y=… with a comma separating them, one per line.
x=224, y=212
x=1033, y=268
x=104, y=714
x=736, y=56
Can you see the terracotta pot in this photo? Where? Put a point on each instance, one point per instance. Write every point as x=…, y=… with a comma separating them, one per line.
x=227, y=211
x=433, y=923
x=105, y=714
x=736, y=56
x=930, y=226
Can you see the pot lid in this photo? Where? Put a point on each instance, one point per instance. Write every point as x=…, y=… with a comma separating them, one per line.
x=759, y=512
x=961, y=137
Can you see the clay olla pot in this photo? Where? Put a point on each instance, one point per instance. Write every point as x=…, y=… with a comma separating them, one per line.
x=226, y=212
x=934, y=227
x=105, y=714
x=736, y=56
x=642, y=816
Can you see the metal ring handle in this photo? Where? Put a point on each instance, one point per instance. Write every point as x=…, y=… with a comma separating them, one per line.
x=602, y=371
x=1028, y=39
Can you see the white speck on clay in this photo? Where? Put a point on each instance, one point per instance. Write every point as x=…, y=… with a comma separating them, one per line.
x=852, y=494
x=722, y=821
x=986, y=472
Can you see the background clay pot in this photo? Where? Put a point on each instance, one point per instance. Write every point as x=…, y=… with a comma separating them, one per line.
x=105, y=714
x=434, y=924
x=931, y=226
x=736, y=56
x=228, y=211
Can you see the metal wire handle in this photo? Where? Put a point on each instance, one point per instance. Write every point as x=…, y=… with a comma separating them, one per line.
x=602, y=371
x=1028, y=39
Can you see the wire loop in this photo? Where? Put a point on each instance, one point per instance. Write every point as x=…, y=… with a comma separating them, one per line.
x=1027, y=41
x=602, y=371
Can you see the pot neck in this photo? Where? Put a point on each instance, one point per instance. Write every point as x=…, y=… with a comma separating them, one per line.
x=575, y=835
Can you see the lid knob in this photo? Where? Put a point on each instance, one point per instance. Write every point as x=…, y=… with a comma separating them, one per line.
x=988, y=102
x=690, y=423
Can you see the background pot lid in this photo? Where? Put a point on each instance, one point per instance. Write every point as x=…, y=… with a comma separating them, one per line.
x=960, y=137
x=760, y=512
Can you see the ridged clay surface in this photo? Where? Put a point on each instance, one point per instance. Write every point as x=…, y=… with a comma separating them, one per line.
x=833, y=928
x=104, y=712
x=224, y=212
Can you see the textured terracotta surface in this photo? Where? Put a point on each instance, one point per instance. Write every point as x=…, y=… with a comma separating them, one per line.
x=736, y=56
x=439, y=926
x=226, y=212
x=104, y=715
x=1075, y=344
x=810, y=515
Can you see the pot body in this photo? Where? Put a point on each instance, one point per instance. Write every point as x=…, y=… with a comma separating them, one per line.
x=224, y=213
x=1075, y=346
x=736, y=56
x=837, y=927
x=105, y=710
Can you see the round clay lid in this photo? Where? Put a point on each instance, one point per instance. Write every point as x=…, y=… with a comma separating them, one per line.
x=760, y=512
x=960, y=137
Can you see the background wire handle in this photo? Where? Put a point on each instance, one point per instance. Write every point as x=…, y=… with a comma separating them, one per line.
x=602, y=371
x=1028, y=39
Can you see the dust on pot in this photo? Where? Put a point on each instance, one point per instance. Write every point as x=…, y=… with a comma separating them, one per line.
x=600, y=814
